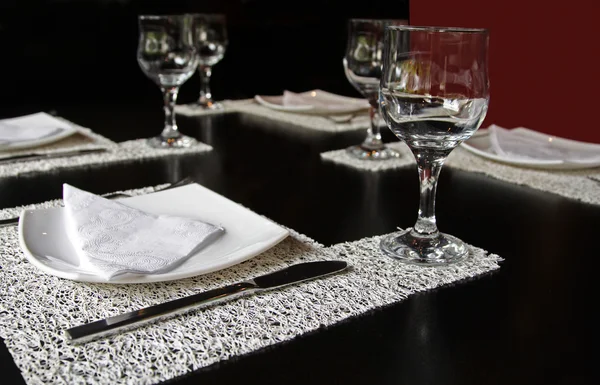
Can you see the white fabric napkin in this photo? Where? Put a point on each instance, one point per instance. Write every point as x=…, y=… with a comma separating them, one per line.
x=528, y=145
x=323, y=100
x=30, y=127
x=112, y=238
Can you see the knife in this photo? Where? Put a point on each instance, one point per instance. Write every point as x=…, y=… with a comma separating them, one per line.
x=41, y=155
x=112, y=325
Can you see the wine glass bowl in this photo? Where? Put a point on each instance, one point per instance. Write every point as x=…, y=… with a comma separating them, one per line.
x=362, y=67
x=434, y=94
x=211, y=42
x=167, y=55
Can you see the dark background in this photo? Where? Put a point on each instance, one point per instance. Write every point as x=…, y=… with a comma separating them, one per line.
x=69, y=52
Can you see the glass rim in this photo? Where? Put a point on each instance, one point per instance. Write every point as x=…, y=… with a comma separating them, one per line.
x=436, y=29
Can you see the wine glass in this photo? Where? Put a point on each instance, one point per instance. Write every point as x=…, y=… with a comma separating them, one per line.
x=362, y=66
x=434, y=94
x=167, y=54
x=211, y=43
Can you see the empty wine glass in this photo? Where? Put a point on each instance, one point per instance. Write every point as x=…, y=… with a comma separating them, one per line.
x=362, y=66
x=211, y=42
x=434, y=94
x=167, y=54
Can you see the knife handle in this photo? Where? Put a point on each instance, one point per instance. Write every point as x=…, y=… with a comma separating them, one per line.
x=9, y=221
x=112, y=325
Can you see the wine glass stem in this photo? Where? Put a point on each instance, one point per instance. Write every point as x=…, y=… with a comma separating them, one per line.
x=205, y=94
x=429, y=164
x=170, y=98
x=373, y=139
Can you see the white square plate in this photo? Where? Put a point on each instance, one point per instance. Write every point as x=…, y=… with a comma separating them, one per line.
x=45, y=243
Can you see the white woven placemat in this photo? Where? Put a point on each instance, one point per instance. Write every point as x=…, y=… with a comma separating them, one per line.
x=343, y=157
x=576, y=184
x=310, y=122
x=36, y=307
x=86, y=139
x=582, y=185
x=228, y=107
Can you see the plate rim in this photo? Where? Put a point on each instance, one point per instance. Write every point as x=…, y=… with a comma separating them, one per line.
x=283, y=233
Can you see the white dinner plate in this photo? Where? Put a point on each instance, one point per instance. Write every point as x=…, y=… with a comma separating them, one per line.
x=45, y=242
x=63, y=130
x=345, y=104
x=480, y=144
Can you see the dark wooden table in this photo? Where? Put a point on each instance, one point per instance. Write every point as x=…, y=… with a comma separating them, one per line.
x=527, y=323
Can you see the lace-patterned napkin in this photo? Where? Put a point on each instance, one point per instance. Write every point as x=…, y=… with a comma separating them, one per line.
x=323, y=102
x=112, y=238
x=528, y=145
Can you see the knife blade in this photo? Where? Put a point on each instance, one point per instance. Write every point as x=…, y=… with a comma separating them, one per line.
x=40, y=155
x=290, y=275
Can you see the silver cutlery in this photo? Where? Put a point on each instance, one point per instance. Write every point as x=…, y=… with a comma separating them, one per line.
x=9, y=221
x=42, y=156
x=290, y=275
x=594, y=178
x=185, y=181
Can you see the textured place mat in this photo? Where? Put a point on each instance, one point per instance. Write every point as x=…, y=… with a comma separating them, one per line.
x=576, y=184
x=130, y=150
x=228, y=107
x=36, y=307
x=311, y=122
x=86, y=139
x=582, y=185
x=343, y=157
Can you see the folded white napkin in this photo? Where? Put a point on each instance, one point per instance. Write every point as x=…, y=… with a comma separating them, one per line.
x=30, y=127
x=323, y=100
x=112, y=238
x=528, y=145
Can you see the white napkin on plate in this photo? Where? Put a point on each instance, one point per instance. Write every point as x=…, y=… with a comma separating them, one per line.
x=30, y=127
x=528, y=145
x=112, y=238
x=323, y=100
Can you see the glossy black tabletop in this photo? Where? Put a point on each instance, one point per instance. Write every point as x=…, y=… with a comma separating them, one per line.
x=526, y=323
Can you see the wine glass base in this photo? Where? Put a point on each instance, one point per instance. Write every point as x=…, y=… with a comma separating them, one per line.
x=181, y=141
x=362, y=152
x=209, y=105
x=439, y=250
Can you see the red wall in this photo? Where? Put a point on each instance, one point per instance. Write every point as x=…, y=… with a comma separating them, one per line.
x=543, y=60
